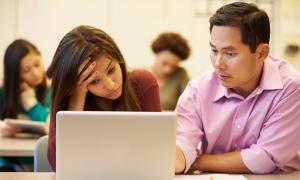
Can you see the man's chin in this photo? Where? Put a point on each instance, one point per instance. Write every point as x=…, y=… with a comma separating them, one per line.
x=226, y=85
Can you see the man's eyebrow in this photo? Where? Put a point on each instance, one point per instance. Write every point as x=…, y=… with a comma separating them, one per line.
x=224, y=48
x=211, y=45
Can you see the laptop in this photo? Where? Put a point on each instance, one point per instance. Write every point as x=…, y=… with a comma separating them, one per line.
x=115, y=145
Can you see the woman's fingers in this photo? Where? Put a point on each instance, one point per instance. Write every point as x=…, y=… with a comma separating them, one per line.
x=83, y=65
x=90, y=79
x=7, y=130
x=24, y=86
x=87, y=73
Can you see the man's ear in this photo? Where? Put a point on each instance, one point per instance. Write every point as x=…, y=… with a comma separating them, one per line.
x=262, y=51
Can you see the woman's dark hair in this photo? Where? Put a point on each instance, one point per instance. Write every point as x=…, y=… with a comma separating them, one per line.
x=253, y=22
x=13, y=56
x=172, y=42
x=79, y=44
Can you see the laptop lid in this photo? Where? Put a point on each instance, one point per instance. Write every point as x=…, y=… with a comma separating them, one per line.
x=115, y=145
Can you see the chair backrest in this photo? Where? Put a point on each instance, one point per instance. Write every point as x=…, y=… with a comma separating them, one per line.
x=41, y=163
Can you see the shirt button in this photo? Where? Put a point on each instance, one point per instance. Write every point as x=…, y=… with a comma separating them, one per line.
x=238, y=126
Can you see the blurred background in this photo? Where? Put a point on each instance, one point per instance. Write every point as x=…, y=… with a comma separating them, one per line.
x=133, y=24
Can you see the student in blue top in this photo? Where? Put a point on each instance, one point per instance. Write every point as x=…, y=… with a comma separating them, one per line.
x=24, y=95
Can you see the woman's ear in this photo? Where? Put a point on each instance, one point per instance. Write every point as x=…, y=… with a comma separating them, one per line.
x=262, y=51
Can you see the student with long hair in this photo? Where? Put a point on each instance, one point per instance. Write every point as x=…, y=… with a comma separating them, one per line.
x=89, y=73
x=24, y=94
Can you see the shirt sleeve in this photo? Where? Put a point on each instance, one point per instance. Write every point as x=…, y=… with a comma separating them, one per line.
x=40, y=112
x=189, y=126
x=278, y=142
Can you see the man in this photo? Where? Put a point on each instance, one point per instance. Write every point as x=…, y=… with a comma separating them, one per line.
x=246, y=113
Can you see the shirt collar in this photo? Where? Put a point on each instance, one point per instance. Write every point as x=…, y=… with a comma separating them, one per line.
x=270, y=80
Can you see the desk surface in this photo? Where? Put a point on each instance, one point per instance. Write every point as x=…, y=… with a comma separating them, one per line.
x=21, y=146
x=51, y=176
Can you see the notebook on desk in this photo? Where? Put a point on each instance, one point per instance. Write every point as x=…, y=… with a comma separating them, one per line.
x=115, y=145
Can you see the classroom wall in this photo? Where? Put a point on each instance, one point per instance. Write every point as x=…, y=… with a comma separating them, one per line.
x=133, y=24
x=290, y=30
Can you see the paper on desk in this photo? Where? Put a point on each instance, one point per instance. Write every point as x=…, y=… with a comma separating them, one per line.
x=210, y=177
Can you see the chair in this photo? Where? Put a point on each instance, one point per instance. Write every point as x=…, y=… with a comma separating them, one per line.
x=41, y=163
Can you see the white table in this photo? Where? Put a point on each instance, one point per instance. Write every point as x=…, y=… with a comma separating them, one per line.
x=17, y=146
x=51, y=176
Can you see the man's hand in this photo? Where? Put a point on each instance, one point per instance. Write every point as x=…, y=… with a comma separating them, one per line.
x=230, y=162
x=180, y=161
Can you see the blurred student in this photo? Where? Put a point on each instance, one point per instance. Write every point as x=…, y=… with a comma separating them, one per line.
x=89, y=73
x=170, y=49
x=24, y=95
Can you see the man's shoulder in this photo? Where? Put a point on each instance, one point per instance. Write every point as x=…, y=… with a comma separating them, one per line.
x=206, y=80
x=289, y=75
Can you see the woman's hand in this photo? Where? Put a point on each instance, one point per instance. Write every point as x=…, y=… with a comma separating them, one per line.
x=7, y=130
x=27, y=96
x=25, y=86
x=87, y=74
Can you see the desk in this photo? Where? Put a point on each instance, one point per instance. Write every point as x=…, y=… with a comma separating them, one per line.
x=20, y=146
x=26, y=176
x=51, y=176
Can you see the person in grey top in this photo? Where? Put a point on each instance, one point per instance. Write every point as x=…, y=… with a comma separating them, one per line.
x=170, y=49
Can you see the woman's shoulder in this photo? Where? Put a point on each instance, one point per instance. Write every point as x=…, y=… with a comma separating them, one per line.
x=143, y=80
x=142, y=76
x=147, y=89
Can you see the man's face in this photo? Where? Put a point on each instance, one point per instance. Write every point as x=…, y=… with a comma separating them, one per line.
x=235, y=65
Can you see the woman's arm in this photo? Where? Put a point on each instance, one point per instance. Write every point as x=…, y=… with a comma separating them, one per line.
x=86, y=76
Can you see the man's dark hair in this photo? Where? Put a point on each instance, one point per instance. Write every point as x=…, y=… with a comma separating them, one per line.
x=253, y=22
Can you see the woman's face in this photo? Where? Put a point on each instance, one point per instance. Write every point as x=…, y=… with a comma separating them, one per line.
x=32, y=69
x=166, y=63
x=109, y=80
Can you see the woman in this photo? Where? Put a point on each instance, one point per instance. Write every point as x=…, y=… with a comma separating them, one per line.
x=170, y=50
x=24, y=94
x=89, y=74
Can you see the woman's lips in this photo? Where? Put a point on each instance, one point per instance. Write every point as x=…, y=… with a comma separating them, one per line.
x=114, y=93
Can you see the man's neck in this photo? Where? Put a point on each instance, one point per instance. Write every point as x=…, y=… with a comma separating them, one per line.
x=249, y=86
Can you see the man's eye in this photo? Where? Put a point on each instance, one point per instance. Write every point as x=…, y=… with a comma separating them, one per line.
x=214, y=51
x=231, y=54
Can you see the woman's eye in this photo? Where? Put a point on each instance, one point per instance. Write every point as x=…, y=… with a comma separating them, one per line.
x=26, y=71
x=95, y=82
x=37, y=64
x=112, y=70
